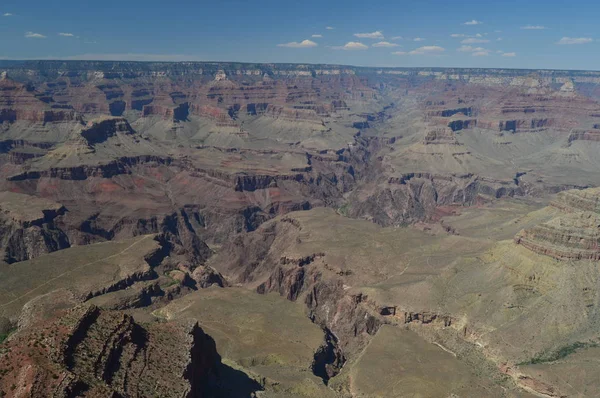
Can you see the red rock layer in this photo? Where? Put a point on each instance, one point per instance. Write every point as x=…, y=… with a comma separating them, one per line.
x=104, y=353
x=291, y=114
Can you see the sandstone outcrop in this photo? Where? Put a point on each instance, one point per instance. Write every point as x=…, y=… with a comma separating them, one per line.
x=584, y=135
x=440, y=136
x=217, y=115
x=586, y=200
x=574, y=234
x=290, y=114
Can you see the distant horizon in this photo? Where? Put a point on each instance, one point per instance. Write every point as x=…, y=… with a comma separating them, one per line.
x=291, y=63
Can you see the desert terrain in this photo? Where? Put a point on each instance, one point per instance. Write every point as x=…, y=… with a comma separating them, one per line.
x=203, y=229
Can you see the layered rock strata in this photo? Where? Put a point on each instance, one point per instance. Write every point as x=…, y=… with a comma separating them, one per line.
x=574, y=234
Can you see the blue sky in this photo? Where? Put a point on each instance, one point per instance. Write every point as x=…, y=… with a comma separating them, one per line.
x=509, y=33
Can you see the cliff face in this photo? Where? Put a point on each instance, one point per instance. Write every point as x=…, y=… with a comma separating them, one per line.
x=416, y=196
x=28, y=227
x=304, y=115
x=18, y=103
x=98, y=131
x=32, y=227
x=218, y=115
x=518, y=104
x=584, y=135
x=101, y=353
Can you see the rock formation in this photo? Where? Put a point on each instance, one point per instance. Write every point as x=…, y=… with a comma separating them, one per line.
x=97, y=353
x=304, y=115
x=584, y=135
x=99, y=130
x=440, y=136
x=574, y=234
x=28, y=227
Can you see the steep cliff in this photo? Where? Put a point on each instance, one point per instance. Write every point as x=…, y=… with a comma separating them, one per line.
x=94, y=352
x=28, y=227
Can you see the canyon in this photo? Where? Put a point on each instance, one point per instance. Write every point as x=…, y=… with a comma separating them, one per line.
x=206, y=229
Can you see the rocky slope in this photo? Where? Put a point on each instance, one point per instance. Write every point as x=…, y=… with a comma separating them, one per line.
x=86, y=351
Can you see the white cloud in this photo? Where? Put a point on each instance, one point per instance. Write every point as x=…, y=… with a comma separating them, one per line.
x=499, y=39
x=462, y=35
x=533, y=27
x=481, y=52
x=373, y=35
x=427, y=50
x=396, y=38
x=385, y=44
x=66, y=34
x=32, y=35
x=419, y=39
x=7, y=14
x=399, y=53
x=317, y=36
x=352, y=45
x=574, y=40
x=473, y=22
x=329, y=28
x=473, y=40
x=470, y=49
x=475, y=51
x=302, y=44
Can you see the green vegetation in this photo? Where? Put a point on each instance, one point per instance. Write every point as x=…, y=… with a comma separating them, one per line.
x=4, y=336
x=561, y=353
x=169, y=282
x=344, y=209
